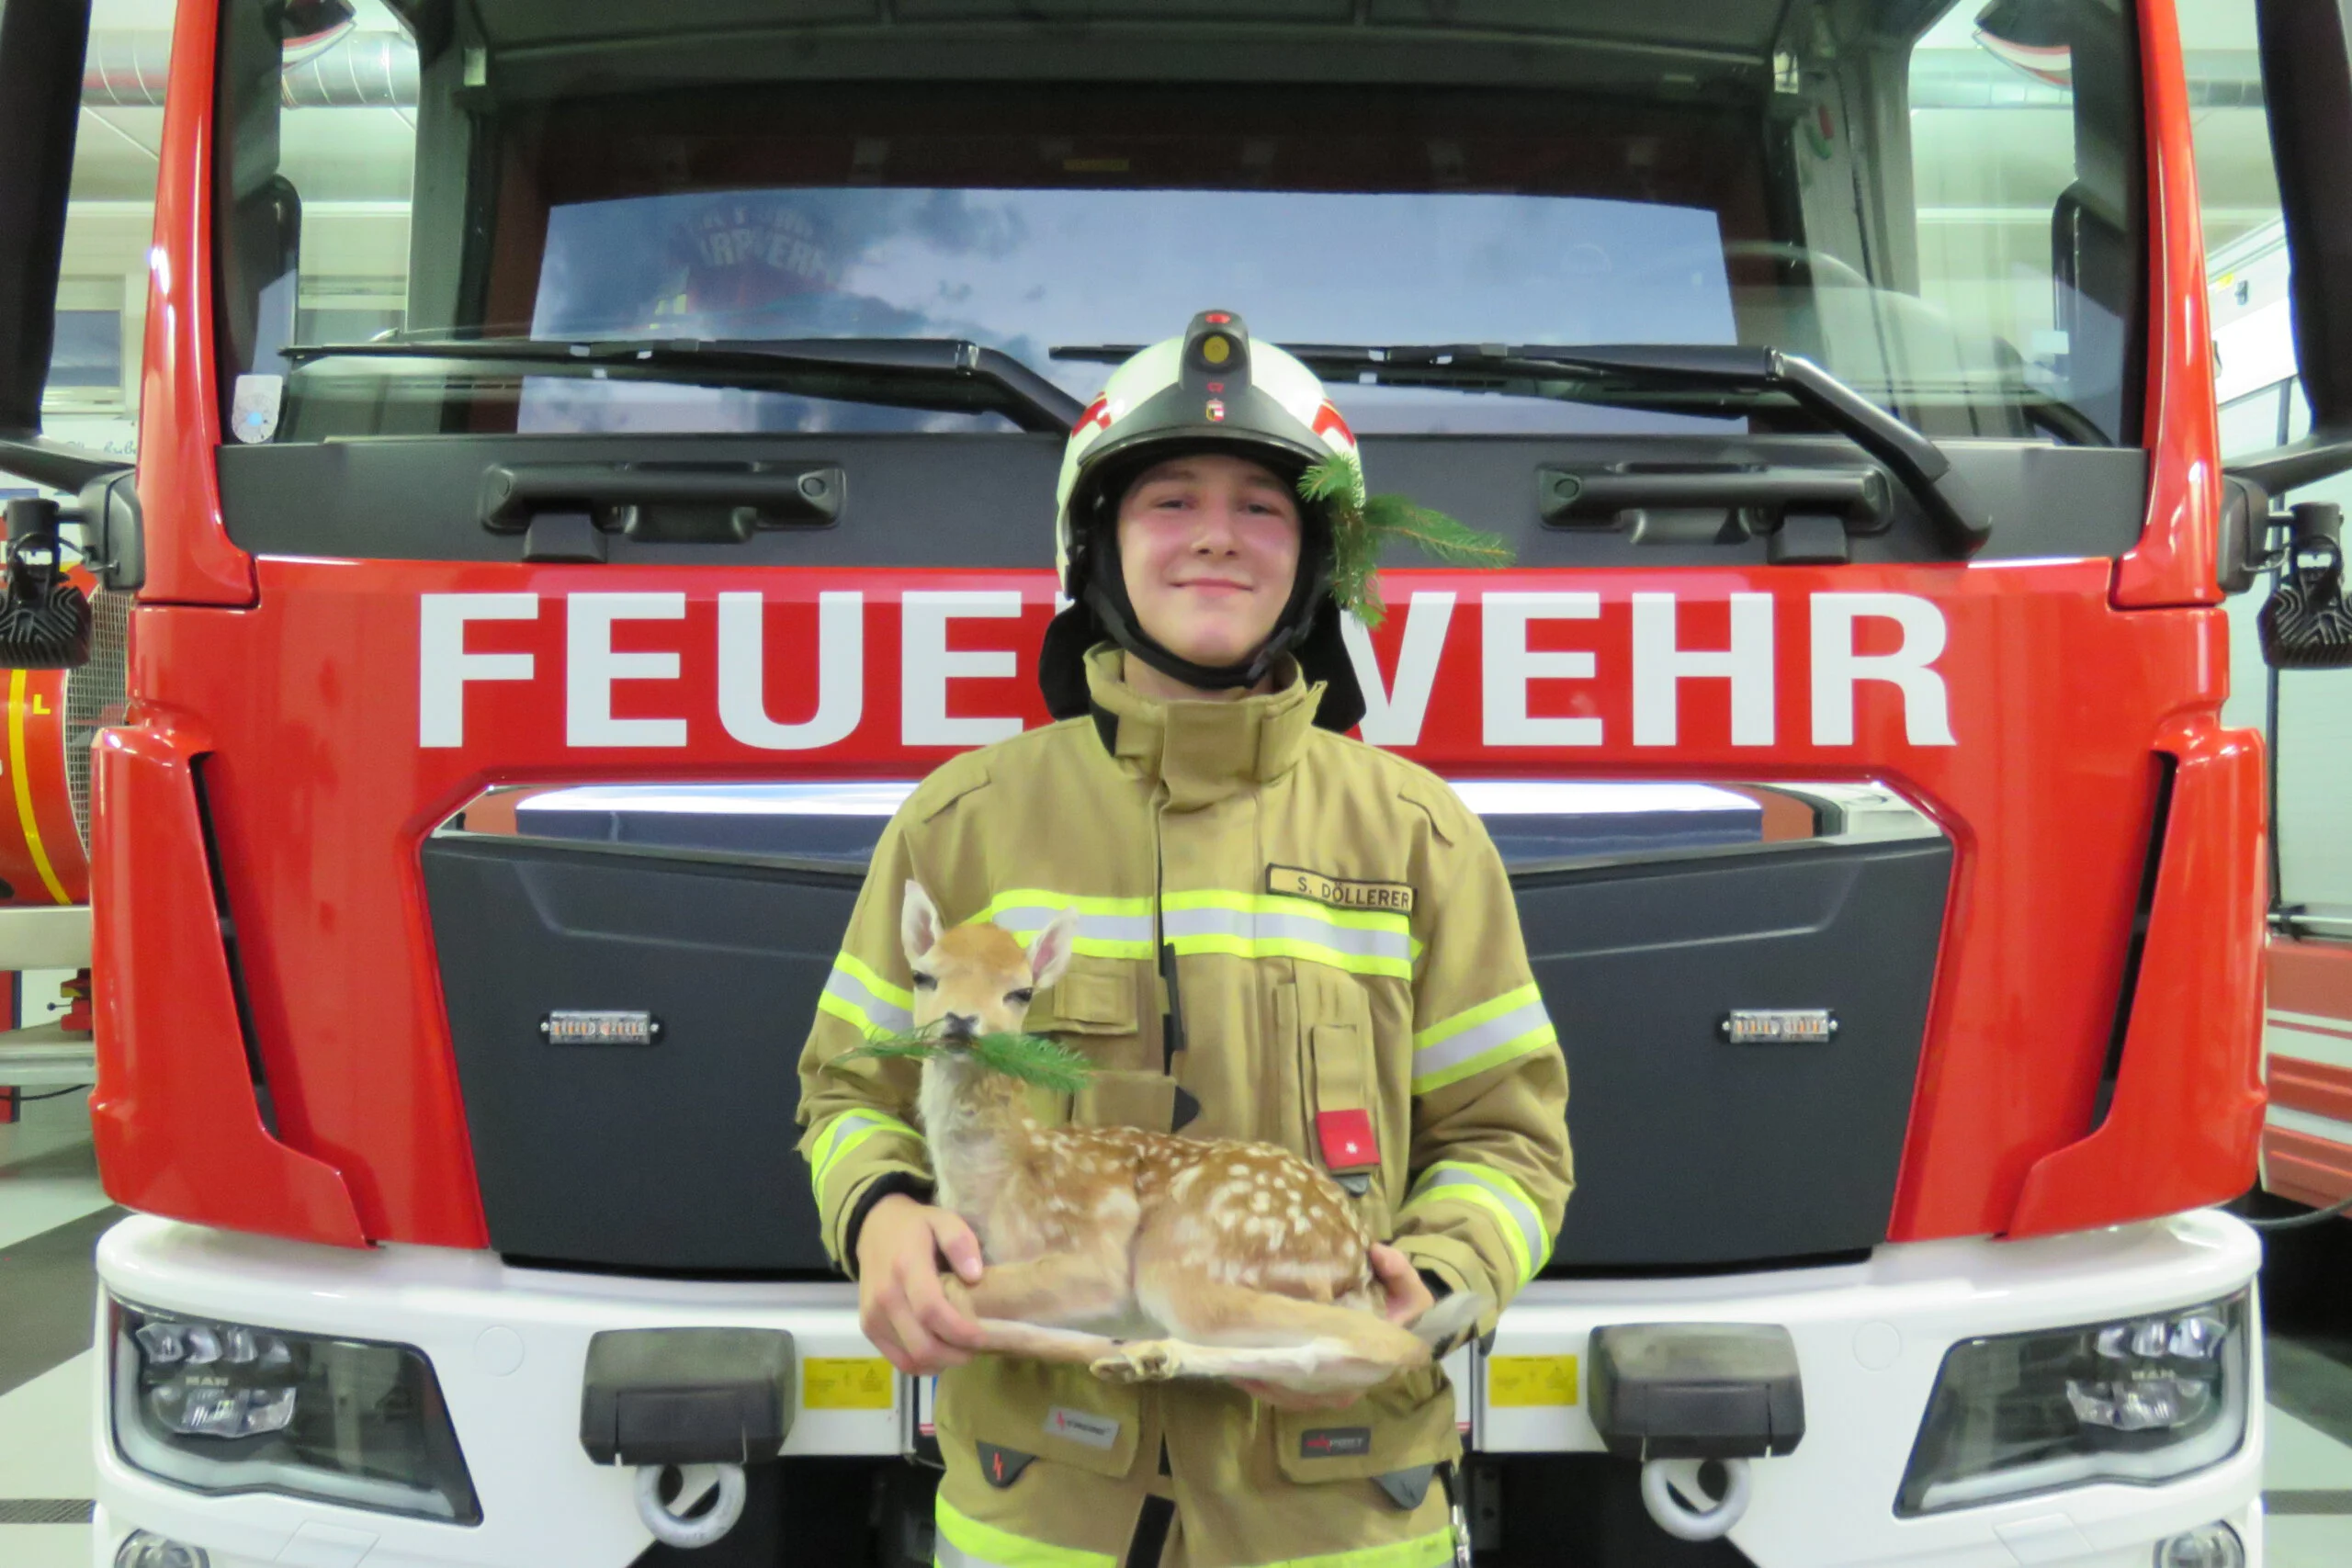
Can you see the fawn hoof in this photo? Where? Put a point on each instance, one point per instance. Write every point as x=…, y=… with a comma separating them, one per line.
x=1151, y=1362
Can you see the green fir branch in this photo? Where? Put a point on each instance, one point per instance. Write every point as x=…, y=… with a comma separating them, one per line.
x=1363, y=525
x=1029, y=1057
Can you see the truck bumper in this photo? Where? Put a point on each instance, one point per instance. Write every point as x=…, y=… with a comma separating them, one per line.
x=1871, y=1339
x=509, y=1347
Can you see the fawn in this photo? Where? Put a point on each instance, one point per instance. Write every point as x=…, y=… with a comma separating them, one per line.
x=1142, y=1254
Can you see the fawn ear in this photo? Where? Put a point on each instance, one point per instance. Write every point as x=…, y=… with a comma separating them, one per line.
x=918, y=922
x=1049, y=953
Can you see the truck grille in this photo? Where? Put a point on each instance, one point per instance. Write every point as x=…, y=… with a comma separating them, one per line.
x=95, y=696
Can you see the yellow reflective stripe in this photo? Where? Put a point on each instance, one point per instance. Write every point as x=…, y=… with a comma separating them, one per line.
x=1541, y=1037
x=1020, y=898
x=895, y=996
x=1287, y=947
x=857, y=994
x=1107, y=928
x=33, y=845
x=1283, y=904
x=1432, y=1551
x=1495, y=1191
x=1481, y=1039
x=1256, y=925
x=965, y=1542
x=1437, y=1033
x=844, y=1133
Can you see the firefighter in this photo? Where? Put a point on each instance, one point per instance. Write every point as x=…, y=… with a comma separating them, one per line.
x=1285, y=935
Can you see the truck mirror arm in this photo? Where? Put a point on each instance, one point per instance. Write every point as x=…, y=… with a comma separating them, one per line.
x=29, y=455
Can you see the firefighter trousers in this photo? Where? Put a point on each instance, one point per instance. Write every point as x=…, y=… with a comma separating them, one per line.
x=1003, y=1509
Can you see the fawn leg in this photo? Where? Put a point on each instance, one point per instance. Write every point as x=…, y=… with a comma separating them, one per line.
x=1019, y=1306
x=1232, y=1331
x=1061, y=1287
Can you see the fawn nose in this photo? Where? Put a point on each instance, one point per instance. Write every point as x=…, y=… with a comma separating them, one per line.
x=960, y=1025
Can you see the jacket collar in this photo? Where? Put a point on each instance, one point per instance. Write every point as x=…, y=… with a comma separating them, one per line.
x=1202, y=751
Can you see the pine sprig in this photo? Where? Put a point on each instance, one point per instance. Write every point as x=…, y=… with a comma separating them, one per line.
x=1363, y=525
x=1029, y=1057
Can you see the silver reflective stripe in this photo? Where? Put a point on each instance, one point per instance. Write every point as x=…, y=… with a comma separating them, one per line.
x=1505, y=1191
x=1479, y=1038
x=1027, y=917
x=1263, y=926
x=886, y=1016
x=947, y=1554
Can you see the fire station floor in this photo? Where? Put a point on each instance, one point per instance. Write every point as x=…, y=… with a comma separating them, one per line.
x=53, y=1211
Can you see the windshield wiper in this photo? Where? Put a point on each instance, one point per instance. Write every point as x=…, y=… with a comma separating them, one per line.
x=1707, y=369
x=944, y=375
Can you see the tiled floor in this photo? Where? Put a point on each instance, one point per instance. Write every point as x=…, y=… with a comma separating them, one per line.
x=51, y=1210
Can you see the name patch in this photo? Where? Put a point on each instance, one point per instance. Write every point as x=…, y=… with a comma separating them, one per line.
x=1394, y=897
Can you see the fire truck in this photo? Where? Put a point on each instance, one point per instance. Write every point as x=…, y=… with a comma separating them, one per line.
x=2307, y=1021
x=518, y=678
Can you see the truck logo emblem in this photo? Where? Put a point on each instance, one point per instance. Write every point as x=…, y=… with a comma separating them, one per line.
x=600, y=1029
x=1779, y=1026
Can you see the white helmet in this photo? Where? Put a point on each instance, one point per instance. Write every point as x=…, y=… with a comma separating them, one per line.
x=1210, y=390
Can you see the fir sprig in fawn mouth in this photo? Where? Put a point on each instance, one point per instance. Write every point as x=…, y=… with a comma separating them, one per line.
x=1031, y=1058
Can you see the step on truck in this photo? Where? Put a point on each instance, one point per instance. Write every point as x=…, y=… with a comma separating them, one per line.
x=520, y=670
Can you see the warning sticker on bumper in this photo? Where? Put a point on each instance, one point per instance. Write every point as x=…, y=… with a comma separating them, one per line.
x=847, y=1382
x=1531, y=1380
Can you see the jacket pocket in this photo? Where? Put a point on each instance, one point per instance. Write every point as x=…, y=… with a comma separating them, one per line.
x=1405, y=1421
x=1063, y=1414
x=1342, y=1133
x=1094, y=1009
x=1147, y=1101
x=1094, y=995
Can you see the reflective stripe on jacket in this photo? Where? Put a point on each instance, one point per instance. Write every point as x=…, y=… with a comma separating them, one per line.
x=1346, y=951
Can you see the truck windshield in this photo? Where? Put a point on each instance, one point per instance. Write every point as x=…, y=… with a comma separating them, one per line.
x=1502, y=173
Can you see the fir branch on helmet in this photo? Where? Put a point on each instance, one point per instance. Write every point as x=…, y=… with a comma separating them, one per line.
x=1029, y=1057
x=1363, y=525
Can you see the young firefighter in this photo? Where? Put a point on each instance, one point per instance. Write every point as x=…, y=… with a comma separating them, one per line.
x=1285, y=935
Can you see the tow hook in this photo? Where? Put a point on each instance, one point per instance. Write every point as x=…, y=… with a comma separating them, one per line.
x=677, y=1522
x=698, y=1403
x=1675, y=1396
x=1669, y=1486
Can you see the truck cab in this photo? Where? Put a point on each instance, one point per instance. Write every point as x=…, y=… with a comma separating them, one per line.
x=547, y=633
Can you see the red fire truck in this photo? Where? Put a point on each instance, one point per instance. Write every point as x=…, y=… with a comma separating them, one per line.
x=2307, y=1027
x=516, y=686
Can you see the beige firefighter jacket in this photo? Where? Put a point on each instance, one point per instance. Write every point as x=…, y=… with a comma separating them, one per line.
x=1347, y=961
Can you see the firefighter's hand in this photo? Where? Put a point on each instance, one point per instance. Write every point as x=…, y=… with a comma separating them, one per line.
x=1408, y=1297
x=1408, y=1293
x=900, y=1306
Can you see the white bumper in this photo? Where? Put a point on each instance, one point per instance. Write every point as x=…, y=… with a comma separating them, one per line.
x=509, y=1347
x=1869, y=1340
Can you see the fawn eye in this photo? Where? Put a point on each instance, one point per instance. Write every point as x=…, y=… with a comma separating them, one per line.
x=925, y=982
x=1020, y=997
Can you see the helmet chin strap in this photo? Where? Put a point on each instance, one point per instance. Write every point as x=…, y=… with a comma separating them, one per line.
x=1106, y=596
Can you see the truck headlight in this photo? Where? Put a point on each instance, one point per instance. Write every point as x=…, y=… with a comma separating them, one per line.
x=234, y=1407
x=2142, y=1400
